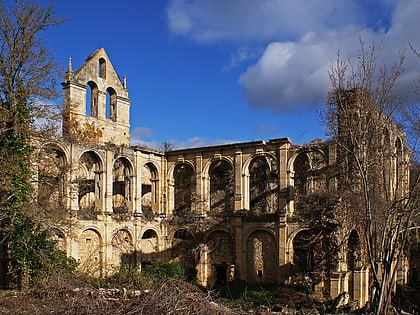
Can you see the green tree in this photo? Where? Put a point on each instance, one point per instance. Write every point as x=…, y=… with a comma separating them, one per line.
x=27, y=77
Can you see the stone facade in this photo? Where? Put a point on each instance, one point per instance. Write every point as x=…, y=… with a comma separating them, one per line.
x=227, y=211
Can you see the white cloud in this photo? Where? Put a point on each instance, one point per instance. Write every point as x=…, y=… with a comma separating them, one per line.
x=303, y=40
x=143, y=136
x=210, y=20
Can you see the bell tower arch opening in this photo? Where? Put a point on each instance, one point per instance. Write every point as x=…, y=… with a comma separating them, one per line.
x=92, y=99
x=111, y=104
x=96, y=105
x=102, y=68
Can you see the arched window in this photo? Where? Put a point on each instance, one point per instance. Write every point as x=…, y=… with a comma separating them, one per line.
x=111, y=104
x=92, y=99
x=102, y=68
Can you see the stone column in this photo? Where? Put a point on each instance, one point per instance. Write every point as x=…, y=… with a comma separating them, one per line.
x=239, y=204
x=109, y=163
x=200, y=194
x=137, y=181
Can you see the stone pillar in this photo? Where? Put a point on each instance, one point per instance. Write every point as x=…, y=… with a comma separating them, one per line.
x=335, y=284
x=137, y=182
x=364, y=297
x=239, y=204
x=109, y=165
x=240, y=255
x=282, y=275
x=73, y=184
x=199, y=203
x=283, y=155
x=358, y=289
x=402, y=271
x=202, y=267
x=171, y=196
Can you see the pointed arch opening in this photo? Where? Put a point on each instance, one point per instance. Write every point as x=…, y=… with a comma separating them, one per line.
x=52, y=179
x=182, y=247
x=92, y=99
x=121, y=186
x=221, y=187
x=89, y=185
x=263, y=186
x=102, y=68
x=111, y=104
x=262, y=253
x=309, y=176
x=149, y=245
x=123, y=248
x=221, y=256
x=149, y=190
x=90, y=253
x=185, y=191
x=353, y=260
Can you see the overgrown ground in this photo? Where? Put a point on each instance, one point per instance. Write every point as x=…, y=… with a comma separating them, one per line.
x=165, y=289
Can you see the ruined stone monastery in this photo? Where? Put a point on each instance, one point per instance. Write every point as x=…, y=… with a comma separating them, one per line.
x=228, y=212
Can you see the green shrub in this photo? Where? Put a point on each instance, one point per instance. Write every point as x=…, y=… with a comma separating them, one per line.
x=164, y=271
x=127, y=276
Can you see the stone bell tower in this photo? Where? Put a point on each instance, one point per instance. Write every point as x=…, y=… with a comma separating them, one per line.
x=96, y=107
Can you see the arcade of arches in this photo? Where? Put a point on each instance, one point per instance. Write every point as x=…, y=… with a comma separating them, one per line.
x=228, y=211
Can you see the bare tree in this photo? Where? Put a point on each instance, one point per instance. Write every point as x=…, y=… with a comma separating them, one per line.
x=373, y=163
x=27, y=77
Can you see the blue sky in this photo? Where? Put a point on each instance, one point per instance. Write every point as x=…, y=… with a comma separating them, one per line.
x=204, y=72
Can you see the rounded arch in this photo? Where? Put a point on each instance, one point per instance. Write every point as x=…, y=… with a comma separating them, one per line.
x=266, y=155
x=183, y=234
x=173, y=167
x=92, y=156
x=292, y=159
x=251, y=230
x=90, y=244
x=55, y=146
x=262, y=253
x=211, y=162
x=149, y=233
